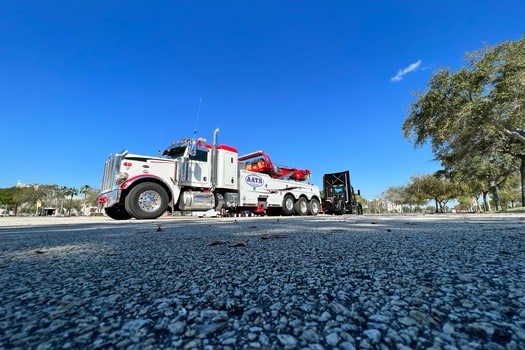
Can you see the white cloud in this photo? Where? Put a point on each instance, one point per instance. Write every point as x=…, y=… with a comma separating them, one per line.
x=402, y=72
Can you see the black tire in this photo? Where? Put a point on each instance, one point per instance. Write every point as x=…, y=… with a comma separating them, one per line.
x=328, y=207
x=288, y=205
x=273, y=211
x=339, y=206
x=147, y=201
x=219, y=201
x=117, y=213
x=314, y=207
x=301, y=207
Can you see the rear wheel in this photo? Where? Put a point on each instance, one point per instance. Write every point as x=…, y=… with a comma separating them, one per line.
x=301, y=206
x=147, y=201
x=313, y=207
x=288, y=205
x=117, y=213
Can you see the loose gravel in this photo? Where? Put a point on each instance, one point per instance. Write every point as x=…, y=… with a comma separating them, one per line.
x=346, y=282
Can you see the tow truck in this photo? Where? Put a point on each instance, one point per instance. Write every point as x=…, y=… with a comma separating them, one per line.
x=194, y=176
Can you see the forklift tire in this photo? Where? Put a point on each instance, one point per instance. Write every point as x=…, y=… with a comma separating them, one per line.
x=288, y=205
x=301, y=207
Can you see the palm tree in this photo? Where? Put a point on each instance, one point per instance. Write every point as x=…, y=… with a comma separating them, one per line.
x=61, y=193
x=71, y=191
x=85, y=189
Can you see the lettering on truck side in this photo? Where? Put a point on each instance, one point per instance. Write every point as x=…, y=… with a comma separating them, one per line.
x=254, y=180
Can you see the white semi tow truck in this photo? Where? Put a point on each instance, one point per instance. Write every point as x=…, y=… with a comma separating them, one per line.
x=192, y=176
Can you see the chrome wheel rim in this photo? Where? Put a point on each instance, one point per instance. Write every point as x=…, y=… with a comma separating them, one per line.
x=303, y=206
x=315, y=207
x=149, y=201
x=289, y=204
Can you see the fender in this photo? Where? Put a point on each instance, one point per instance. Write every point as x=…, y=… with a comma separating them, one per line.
x=132, y=180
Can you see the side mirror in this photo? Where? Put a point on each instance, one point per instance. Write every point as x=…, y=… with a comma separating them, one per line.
x=359, y=193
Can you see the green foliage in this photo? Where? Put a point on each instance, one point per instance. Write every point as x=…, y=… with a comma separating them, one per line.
x=71, y=192
x=424, y=188
x=435, y=187
x=474, y=119
x=32, y=199
x=13, y=197
x=509, y=192
x=7, y=195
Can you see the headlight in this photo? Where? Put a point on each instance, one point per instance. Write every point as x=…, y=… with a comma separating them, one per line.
x=121, y=177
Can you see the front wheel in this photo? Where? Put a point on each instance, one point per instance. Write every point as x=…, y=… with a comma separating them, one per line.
x=147, y=201
x=117, y=213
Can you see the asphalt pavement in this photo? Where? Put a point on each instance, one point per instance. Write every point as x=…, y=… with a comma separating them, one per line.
x=326, y=282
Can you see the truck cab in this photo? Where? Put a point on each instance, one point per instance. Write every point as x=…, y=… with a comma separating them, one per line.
x=339, y=196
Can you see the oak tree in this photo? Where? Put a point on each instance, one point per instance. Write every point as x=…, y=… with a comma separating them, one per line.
x=475, y=117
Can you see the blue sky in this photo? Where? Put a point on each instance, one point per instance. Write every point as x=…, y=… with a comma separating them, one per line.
x=323, y=85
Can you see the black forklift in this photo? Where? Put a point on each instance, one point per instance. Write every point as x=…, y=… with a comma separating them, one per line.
x=338, y=195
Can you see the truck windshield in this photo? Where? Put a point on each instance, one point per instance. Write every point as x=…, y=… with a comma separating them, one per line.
x=178, y=151
x=174, y=152
x=337, y=189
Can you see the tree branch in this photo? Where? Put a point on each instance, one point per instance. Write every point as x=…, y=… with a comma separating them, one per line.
x=514, y=134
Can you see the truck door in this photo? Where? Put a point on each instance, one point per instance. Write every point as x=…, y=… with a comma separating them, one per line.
x=195, y=170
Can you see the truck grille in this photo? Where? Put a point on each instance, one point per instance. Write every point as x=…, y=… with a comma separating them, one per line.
x=111, y=169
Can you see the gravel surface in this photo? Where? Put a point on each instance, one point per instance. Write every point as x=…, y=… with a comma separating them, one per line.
x=347, y=282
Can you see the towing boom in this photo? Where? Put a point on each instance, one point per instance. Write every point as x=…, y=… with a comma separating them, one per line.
x=261, y=162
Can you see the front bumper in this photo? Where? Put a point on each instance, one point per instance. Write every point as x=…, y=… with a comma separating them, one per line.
x=109, y=198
